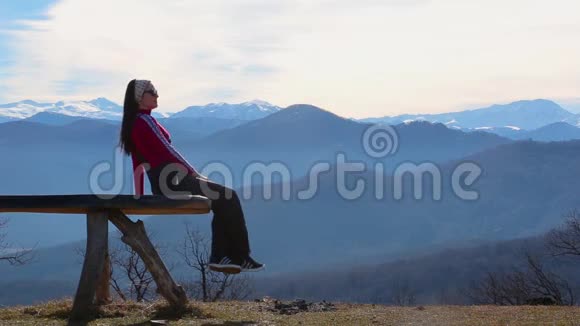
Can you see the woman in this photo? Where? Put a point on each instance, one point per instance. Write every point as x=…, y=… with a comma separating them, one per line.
x=149, y=145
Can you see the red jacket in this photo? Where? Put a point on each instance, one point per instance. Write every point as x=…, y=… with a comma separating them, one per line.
x=153, y=142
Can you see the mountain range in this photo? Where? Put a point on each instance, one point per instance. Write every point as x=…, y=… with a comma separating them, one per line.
x=540, y=119
x=434, y=276
x=524, y=190
x=63, y=112
x=524, y=186
x=44, y=159
x=525, y=114
x=99, y=108
x=519, y=115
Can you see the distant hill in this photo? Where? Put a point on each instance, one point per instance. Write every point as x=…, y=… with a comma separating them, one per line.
x=298, y=125
x=525, y=114
x=524, y=190
x=436, y=277
x=504, y=120
x=300, y=135
x=6, y=119
x=58, y=119
x=557, y=131
x=508, y=132
x=77, y=131
x=189, y=128
x=47, y=127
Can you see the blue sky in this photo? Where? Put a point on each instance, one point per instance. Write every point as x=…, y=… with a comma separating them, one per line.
x=355, y=58
x=12, y=11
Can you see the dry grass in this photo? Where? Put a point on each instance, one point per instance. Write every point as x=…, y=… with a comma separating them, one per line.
x=254, y=313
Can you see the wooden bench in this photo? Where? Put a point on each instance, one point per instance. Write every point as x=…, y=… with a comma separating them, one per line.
x=93, y=287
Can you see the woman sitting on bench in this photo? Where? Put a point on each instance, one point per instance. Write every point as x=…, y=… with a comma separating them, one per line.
x=149, y=143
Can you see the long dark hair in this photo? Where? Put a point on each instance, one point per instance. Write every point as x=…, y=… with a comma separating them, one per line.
x=130, y=110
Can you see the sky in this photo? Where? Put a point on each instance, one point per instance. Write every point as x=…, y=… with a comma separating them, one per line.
x=363, y=58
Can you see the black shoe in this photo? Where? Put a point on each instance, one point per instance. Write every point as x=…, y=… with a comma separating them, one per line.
x=250, y=265
x=224, y=264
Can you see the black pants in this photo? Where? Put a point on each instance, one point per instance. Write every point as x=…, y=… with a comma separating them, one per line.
x=229, y=232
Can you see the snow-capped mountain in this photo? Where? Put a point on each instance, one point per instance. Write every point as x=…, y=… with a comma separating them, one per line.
x=55, y=119
x=251, y=110
x=526, y=114
x=102, y=108
x=62, y=112
x=22, y=109
x=99, y=108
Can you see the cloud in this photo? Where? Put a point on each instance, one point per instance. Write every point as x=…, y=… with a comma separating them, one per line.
x=375, y=58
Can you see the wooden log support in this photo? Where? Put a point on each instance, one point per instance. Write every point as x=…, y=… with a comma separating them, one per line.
x=135, y=236
x=103, y=292
x=96, y=250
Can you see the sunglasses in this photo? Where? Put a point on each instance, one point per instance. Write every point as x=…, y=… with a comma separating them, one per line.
x=152, y=92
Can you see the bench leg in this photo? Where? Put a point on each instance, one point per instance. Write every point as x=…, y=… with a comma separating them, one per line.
x=135, y=236
x=96, y=250
x=103, y=291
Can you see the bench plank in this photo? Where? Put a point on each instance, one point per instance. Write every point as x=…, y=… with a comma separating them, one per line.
x=128, y=204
